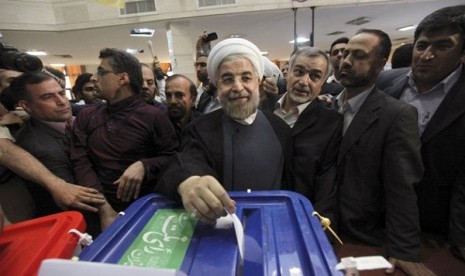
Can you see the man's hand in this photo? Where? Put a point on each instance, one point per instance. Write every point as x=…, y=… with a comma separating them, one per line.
x=130, y=182
x=268, y=87
x=67, y=195
x=410, y=268
x=327, y=99
x=10, y=118
x=107, y=215
x=204, y=197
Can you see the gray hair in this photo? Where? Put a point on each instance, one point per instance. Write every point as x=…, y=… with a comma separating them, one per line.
x=312, y=52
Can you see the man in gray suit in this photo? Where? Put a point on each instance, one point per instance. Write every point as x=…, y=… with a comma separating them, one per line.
x=435, y=86
x=379, y=158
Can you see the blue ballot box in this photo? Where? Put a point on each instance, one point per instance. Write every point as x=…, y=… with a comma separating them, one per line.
x=281, y=237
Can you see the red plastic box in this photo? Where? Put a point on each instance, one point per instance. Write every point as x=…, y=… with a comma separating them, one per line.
x=24, y=245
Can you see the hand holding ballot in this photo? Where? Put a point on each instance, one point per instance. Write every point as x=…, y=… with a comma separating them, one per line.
x=205, y=198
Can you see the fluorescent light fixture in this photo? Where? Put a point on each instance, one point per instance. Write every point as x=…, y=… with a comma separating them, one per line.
x=36, y=53
x=134, y=51
x=57, y=65
x=407, y=28
x=300, y=40
x=142, y=32
x=265, y=53
x=359, y=21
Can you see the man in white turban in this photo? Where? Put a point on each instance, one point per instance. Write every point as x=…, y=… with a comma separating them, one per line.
x=234, y=148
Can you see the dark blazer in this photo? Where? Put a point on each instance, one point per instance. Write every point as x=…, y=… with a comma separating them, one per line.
x=378, y=164
x=202, y=152
x=317, y=135
x=51, y=148
x=441, y=192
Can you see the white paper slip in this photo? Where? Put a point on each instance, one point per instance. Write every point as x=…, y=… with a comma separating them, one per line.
x=239, y=234
x=364, y=263
x=231, y=220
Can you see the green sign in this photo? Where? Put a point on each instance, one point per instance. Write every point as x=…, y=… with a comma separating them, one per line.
x=163, y=242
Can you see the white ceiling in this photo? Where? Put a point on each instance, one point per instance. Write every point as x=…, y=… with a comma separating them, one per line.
x=270, y=30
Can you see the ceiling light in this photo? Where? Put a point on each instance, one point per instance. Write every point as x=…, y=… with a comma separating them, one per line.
x=300, y=40
x=143, y=32
x=265, y=53
x=36, y=53
x=407, y=28
x=57, y=65
x=335, y=33
x=134, y=51
x=359, y=21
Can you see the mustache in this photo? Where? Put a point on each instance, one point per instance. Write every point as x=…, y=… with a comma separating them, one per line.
x=233, y=96
x=305, y=89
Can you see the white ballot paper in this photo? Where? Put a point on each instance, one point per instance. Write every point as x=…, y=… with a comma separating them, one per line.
x=363, y=263
x=233, y=220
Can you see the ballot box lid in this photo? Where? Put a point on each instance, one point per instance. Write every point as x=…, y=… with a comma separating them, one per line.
x=281, y=237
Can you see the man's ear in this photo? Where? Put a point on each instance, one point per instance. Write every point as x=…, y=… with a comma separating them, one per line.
x=123, y=78
x=24, y=105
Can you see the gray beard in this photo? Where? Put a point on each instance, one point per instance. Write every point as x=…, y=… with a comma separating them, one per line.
x=300, y=100
x=240, y=111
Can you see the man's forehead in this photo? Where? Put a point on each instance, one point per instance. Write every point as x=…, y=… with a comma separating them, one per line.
x=339, y=46
x=362, y=41
x=147, y=73
x=442, y=34
x=47, y=86
x=202, y=59
x=311, y=62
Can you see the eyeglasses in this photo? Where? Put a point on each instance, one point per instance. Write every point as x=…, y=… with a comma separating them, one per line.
x=102, y=71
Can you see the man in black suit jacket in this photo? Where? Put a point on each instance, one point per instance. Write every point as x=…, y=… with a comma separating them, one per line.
x=235, y=148
x=44, y=137
x=435, y=86
x=316, y=129
x=379, y=158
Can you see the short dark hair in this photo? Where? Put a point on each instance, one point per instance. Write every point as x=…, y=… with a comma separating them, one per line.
x=402, y=56
x=452, y=17
x=343, y=39
x=384, y=41
x=200, y=54
x=192, y=87
x=18, y=86
x=123, y=62
x=79, y=84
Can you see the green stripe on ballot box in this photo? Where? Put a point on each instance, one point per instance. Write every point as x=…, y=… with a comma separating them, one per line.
x=163, y=242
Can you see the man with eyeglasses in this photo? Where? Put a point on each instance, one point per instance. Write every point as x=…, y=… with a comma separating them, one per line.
x=119, y=146
x=235, y=148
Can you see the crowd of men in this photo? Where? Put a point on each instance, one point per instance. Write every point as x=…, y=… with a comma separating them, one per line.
x=379, y=152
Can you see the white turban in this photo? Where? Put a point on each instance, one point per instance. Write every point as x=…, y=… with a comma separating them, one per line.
x=272, y=71
x=234, y=46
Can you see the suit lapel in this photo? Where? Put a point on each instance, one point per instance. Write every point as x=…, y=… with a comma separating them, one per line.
x=308, y=117
x=362, y=120
x=398, y=86
x=450, y=109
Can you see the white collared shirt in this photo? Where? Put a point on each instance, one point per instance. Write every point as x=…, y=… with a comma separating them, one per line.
x=292, y=115
x=350, y=107
x=428, y=102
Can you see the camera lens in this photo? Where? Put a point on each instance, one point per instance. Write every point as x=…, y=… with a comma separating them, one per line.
x=18, y=61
